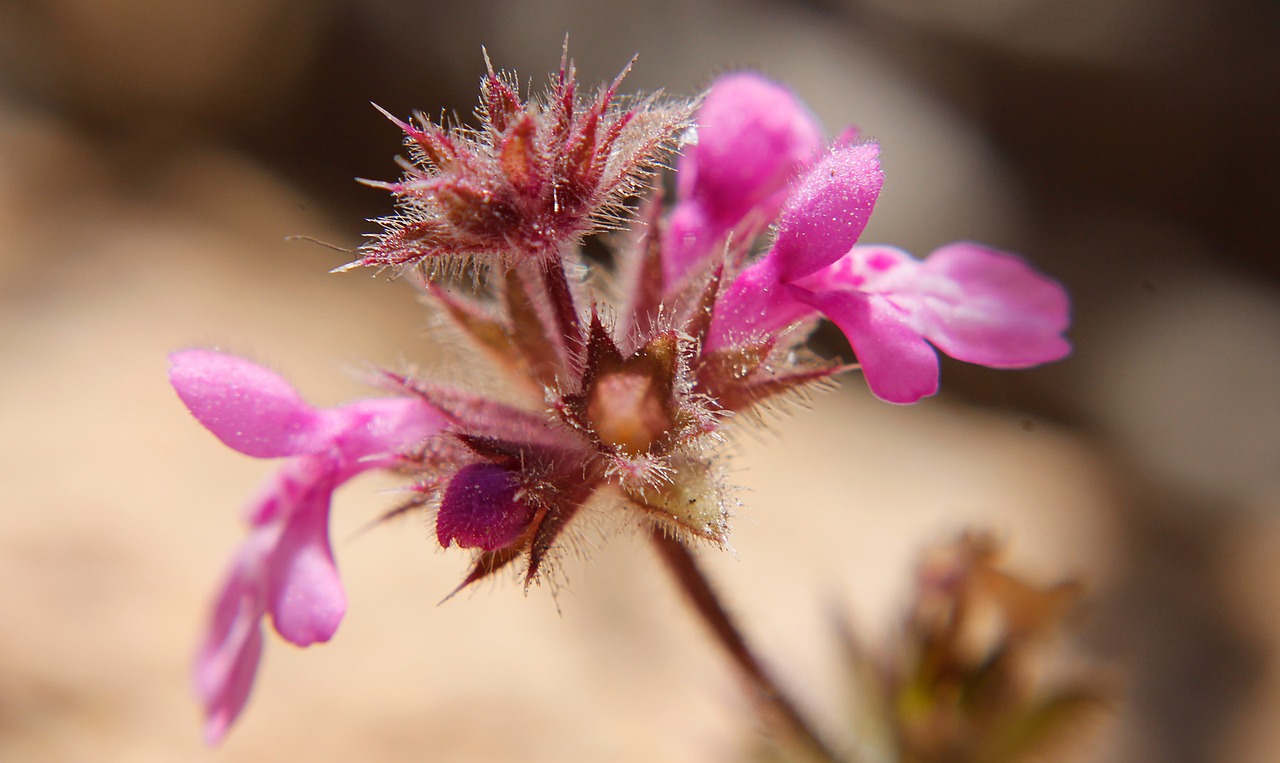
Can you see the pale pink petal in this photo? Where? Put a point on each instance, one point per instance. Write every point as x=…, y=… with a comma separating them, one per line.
x=380, y=426
x=992, y=308
x=827, y=210
x=222, y=708
x=899, y=366
x=248, y=407
x=232, y=646
x=304, y=593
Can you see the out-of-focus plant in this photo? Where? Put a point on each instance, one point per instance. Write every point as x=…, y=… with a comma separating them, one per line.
x=974, y=675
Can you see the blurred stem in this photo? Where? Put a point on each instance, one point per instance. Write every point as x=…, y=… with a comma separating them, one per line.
x=779, y=710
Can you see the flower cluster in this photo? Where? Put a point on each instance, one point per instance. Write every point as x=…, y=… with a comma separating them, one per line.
x=530, y=182
x=626, y=393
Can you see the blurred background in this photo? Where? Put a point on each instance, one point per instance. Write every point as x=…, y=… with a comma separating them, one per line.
x=155, y=154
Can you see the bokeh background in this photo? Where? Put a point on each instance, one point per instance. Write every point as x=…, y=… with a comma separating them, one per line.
x=154, y=155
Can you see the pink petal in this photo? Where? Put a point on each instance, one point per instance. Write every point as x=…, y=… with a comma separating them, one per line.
x=992, y=308
x=754, y=306
x=248, y=407
x=688, y=238
x=281, y=492
x=883, y=270
x=899, y=366
x=847, y=137
x=304, y=593
x=826, y=212
x=232, y=646
x=753, y=134
x=222, y=708
x=380, y=426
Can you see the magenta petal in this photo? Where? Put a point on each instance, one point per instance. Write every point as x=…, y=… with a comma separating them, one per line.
x=755, y=305
x=481, y=509
x=228, y=657
x=223, y=707
x=248, y=407
x=826, y=212
x=688, y=238
x=753, y=135
x=899, y=366
x=380, y=426
x=884, y=270
x=992, y=308
x=304, y=593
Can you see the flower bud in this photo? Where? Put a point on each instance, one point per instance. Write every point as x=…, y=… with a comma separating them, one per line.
x=483, y=508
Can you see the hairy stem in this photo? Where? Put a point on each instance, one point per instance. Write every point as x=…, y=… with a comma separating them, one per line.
x=777, y=707
x=565, y=310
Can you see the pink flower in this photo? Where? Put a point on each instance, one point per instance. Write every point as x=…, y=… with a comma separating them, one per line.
x=972, y=303
x=820, y=222
x=627, y=396
x=286, y=567
x=753, y=136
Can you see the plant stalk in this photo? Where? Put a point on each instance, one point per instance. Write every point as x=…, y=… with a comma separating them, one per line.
x=565, y=311
x=778, y=709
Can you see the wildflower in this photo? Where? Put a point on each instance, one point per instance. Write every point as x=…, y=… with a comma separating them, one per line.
x=286, y=567
x=821, y=220
x=617, y=399
x=973, y=303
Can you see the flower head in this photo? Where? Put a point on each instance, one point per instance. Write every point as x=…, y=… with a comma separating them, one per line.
x=615, y=399
x=285, y=568
x=536, y=176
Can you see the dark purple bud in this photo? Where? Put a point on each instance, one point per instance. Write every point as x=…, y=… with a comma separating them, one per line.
x=482, y=508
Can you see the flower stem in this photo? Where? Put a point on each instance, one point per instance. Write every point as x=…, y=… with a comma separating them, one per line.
x=777, y=707
x=556, y=283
